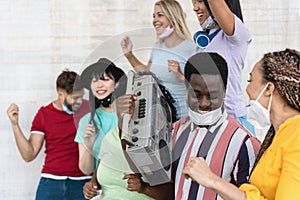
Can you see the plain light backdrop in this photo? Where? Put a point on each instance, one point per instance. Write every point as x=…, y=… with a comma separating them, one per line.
x=38, y=39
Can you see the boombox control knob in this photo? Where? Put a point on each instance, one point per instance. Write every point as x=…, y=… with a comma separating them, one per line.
x=135, y=131
x=134, y=139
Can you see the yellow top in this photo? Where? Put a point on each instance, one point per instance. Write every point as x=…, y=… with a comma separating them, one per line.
x=277, y=174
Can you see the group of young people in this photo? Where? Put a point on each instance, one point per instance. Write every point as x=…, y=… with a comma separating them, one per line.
x=215, y=153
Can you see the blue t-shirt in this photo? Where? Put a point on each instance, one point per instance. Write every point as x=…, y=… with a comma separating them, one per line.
x=105, y=122
x=159, y=58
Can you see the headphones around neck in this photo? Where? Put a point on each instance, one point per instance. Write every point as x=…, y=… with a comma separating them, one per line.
x=203, y=39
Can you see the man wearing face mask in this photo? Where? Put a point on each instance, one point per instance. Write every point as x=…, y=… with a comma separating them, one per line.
x=56, y=125
x=208, y=131
x=224, y=32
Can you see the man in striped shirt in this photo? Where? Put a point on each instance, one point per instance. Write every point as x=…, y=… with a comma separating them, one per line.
x=208, y=131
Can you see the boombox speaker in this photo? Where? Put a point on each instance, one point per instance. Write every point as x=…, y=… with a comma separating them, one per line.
x=148, y=131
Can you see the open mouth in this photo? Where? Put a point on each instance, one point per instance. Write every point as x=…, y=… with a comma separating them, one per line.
x=200, y=16
x=101, y=92
x=76, y=106
x=158, y=27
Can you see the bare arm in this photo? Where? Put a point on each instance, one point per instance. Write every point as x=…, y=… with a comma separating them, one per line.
x=227, y=190
x=86, y=157
x=86, y=160
x=90, y=189
x=160, y=192
x=198, y=170
x=223, y=15
x=28, y=148
x=126, y=45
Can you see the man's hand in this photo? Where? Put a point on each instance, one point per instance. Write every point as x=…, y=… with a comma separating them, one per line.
x=13, y=113
x=125, y=105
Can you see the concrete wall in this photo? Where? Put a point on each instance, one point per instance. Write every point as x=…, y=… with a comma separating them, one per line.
x=40, y=38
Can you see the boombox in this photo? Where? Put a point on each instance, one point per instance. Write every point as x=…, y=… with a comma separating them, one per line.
x=148, y=131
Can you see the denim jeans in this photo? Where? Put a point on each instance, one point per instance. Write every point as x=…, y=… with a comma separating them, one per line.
x=67, y=189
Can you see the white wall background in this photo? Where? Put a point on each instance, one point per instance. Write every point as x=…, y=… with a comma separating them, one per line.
x=40, y=38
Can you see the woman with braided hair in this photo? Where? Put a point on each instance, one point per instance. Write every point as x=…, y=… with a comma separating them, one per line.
x=274, y=89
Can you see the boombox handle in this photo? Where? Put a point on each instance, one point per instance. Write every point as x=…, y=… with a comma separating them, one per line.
x=127, y=117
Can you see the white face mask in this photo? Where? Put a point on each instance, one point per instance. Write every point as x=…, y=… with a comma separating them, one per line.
x=258, y=115
x=166, y=33
x=208, y=24
x=67, y=110
x=205, y=118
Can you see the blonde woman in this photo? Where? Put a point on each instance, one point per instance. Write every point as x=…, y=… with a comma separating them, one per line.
x=169, y=55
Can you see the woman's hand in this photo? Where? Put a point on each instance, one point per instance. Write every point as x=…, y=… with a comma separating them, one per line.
x=174, y=66
x=126, y=45
x=198, y=170
x=134, y=182
x=90, y=189
x=89, y=136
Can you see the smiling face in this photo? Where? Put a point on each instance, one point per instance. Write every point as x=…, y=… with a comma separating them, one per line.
x=160, y=21
x=205, y=92
x=74, y=100
x=201, y=11
x=102, y=87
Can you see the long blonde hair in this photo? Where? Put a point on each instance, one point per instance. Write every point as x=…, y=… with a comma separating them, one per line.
x=176, y=16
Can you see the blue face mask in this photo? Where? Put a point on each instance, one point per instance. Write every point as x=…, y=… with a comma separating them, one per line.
x=67, y=110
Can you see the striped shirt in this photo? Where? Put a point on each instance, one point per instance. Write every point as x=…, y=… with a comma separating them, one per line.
x=226, y=146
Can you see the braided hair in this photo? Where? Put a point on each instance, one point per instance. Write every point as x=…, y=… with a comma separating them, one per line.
x=282, y=68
